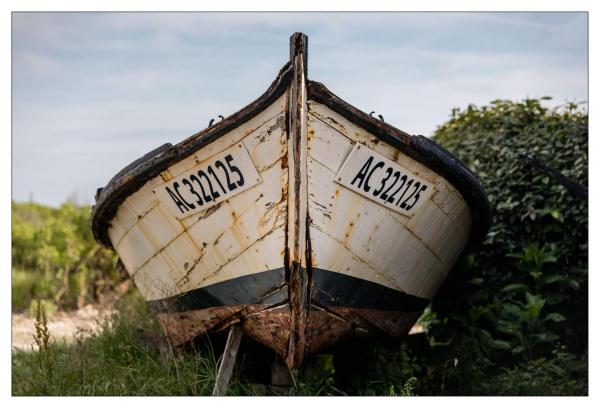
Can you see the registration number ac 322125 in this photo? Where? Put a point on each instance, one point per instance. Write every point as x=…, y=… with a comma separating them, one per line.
x=383, y=181
x=209, y=182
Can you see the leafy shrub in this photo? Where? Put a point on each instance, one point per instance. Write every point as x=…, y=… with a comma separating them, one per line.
x=523, y=294
x=23, y=286
x=379, y=366
x=561, y=373
x=389, y=372
x=55, y=246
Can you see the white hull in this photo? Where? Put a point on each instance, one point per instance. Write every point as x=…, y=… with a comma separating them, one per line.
x=299, y=255
x=167, y=256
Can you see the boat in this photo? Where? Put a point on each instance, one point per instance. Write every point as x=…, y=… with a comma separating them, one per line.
x=298, y=219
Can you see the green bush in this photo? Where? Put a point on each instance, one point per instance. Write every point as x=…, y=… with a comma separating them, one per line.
x=561, y=373
x=55, y=247
x=23, y=288
x=522, y=294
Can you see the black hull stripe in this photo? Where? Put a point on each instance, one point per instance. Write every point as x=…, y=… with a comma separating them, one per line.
x=268, y=288
x=337, y=289
x=257, y=288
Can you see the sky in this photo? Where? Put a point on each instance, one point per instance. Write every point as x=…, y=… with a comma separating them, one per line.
x=92, y=92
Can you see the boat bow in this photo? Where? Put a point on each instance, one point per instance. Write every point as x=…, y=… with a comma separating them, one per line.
x=299, y=217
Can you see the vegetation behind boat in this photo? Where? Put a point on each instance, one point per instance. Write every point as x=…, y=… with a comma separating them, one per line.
x=522, y=298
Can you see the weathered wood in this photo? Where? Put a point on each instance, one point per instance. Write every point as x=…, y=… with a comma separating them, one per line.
x=204, y=248
x=360, y=237
x=422, y=150
x=228, y=360
x=301, y=257
x=297, y=201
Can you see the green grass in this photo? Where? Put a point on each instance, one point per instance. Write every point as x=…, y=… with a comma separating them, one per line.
x=116, y=361
x=126, y=358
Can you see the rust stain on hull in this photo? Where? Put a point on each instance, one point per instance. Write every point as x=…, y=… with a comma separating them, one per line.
x=271, y=326
x=182, y=327
x=234, y=239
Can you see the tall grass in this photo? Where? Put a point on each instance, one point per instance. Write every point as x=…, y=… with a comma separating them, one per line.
x=130, y=356
x=126, y=357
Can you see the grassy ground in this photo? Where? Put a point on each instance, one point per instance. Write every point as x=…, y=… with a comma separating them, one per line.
x=128, y=357
x=122, y=359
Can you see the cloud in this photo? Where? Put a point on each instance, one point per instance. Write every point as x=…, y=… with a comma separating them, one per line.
x=133, y=79
x=94, y=91
x=36, y=64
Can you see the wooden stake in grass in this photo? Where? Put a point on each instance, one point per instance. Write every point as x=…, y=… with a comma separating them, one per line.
x=228, y=360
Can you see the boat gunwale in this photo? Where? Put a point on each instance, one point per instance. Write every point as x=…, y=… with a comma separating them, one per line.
x=131, y=178
x=421, y=149
x=135, y=175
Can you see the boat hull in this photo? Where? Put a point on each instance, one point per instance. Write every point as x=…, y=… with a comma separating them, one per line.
x=278, y=219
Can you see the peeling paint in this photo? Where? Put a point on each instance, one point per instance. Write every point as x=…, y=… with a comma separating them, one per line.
x=274, y=226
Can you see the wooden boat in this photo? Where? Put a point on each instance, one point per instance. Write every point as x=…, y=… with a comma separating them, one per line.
x=299, y=218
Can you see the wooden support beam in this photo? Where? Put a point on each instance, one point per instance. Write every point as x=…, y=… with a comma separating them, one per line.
x=228, y=360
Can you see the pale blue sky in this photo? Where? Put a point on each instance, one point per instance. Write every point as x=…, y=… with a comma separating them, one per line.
x=93, y=92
